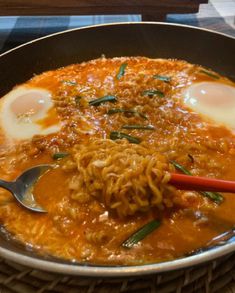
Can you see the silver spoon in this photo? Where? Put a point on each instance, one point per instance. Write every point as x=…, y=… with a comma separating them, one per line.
x=22, y=187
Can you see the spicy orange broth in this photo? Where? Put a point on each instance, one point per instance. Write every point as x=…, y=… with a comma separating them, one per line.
x=62, y=231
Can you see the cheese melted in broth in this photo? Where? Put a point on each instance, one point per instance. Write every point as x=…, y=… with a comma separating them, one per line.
x=115, y=158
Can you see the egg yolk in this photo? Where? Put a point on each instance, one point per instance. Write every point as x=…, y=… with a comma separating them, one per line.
x=213, y=100
x=211, y=94
x=28, y=104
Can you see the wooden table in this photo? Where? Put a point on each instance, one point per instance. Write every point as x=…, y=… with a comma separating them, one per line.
x=149, y=9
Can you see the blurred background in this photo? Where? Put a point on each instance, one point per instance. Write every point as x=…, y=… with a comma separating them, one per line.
x=218, y=15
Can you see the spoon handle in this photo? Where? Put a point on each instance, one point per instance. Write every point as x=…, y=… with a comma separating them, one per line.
x=197, y=183
x=6, y=185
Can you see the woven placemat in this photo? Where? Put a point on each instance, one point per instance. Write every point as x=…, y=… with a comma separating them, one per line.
x=216, y=276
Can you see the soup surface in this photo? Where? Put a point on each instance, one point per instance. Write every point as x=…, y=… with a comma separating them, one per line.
x=115, y=129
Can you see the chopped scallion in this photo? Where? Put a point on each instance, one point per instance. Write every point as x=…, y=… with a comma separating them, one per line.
x=162, y=77
x=61, y=155
x=120, y=135
x=77, y=99
x=181, y=168
x=104, y=99
x=127, y=111
x=138, y=126
x=191, y=158
x=153, y=93
x=214, y=196
x=210, y=74
x=70, y=82
x=142, y=115
x=119, y=110
x=141, y=234
x=121, y=71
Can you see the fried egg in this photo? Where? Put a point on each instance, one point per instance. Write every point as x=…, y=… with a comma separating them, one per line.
x=27, y=111
x=214, y=100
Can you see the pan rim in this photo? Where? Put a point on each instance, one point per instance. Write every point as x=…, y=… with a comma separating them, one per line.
x=117, y=24
x=117, y=271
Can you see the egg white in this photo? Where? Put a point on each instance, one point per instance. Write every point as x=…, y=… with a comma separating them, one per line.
x=25, y=127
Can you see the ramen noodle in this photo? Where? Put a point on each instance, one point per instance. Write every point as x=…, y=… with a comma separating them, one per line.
x=124, y=179
x=114, y=130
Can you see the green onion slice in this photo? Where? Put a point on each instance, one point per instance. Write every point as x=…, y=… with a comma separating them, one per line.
x=127, y=111
x=121, y=71
x=141, y=234
x=119, y=110
x=191, y=158
x=181, y=168
x=61, y=155
x=210, y=74
x=162, y=77
x=214, y=196
x=70, y=82
x=138, y=126
x=120, y=135
x=77, y=99
x=153, y=93
x=108, y=98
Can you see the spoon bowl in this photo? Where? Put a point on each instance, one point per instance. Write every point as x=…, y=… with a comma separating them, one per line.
x=22, y=187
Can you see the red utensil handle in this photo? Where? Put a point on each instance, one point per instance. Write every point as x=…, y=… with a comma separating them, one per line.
x=197, y=183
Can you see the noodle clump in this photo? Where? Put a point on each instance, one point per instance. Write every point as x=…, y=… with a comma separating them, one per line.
x=125, y=177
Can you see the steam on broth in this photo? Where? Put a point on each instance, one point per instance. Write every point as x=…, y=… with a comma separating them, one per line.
x=115, y=129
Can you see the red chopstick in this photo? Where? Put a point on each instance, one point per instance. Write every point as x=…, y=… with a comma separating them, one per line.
x=187, y=182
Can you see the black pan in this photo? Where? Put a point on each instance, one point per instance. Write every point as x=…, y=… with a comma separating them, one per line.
x=156, y=40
